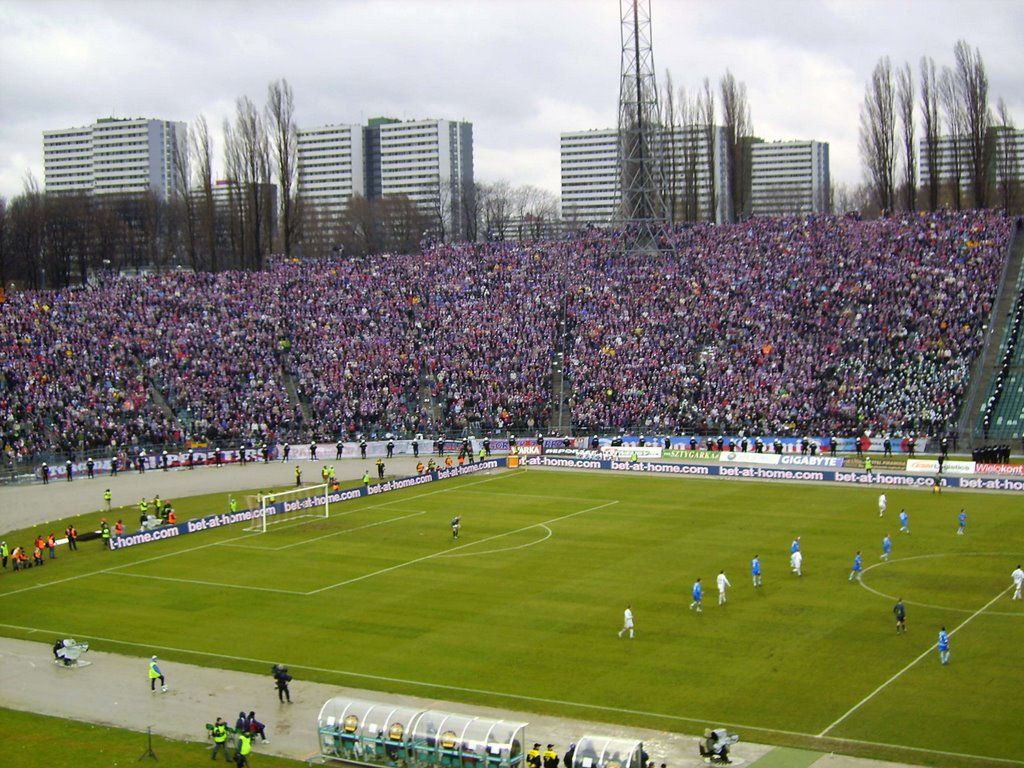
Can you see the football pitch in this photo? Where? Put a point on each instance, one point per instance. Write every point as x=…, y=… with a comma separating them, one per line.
x=523, y=610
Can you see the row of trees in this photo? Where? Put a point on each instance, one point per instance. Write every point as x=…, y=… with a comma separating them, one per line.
x=689, y=150
x=967, y=149
x=52, y=241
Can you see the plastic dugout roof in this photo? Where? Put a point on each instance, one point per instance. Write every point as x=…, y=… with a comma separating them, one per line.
x=471, y=734
x=367, y=719
x=608, y=752
x=371, y=719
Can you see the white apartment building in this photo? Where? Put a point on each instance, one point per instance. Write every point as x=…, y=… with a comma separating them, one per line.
x=789, y=177
x=114, y=156
x=953, y=158
x=331, y=165
x=591, y=182
x=697, y=173
x=430, y=162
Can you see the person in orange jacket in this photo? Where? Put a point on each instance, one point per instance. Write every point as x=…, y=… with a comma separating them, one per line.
x=51, y=545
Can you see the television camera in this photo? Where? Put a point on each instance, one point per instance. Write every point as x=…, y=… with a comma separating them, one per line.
x=714, y=747
x=67, y=652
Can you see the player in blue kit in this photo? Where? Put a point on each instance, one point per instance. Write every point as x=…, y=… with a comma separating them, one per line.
x=698, y=595
x=904, y=521
x=858, y=564
x=963, y=523
x=755, y=570
x=886, y=547
x=943, y=646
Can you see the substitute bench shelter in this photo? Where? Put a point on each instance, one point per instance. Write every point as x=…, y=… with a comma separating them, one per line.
x=605, y=752
x=377, y=733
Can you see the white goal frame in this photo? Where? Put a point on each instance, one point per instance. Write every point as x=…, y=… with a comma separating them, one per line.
x=264, y=501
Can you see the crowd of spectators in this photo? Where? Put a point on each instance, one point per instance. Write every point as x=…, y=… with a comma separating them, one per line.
x=821, y=324
x=796, y=325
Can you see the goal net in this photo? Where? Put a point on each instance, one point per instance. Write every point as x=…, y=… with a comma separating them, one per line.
x=310, y=501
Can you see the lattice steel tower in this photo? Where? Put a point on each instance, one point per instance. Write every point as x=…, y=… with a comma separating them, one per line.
x=640, y=157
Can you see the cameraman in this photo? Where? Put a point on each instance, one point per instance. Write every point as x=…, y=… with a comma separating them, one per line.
x=282, y=678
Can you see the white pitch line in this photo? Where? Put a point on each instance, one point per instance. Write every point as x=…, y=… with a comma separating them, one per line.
x=527, y=545
x=218, y=584
x=440, y=553
x=306, y=542
x=207, y=545
x=927, y=652
x=165, y=649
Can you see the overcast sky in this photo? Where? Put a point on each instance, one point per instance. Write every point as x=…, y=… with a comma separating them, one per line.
x=522, y=71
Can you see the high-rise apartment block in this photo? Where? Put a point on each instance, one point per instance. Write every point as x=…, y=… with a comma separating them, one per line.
x=694, y=176
x=428, y=161
x=953, y=159
x=788, y=177
x=114, y=156
x=590, y=176
x=331, y=165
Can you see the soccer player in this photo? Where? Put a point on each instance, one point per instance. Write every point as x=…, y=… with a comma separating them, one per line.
x=858, y=564
x=900, y=612
x=886, y=547
x=904, y=521
x=755, y=570
x=627, y=622
x=1018, y=582
x=963, y=523
x=456, y=522
x=796, y=561
x=943, y=646
x=698, y=595
x=795, y=546
x=723, y=582
x=883, y=504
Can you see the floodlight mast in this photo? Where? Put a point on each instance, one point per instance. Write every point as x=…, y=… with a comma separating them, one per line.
x=640, y=158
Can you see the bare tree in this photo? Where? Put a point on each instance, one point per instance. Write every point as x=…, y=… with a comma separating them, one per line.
x=878, y=133
x=905, y=99
x=202, y=150
x=62, y=215
x=360, y=230
x=249, y=152
x=471, y=210
x=280, y=115
x=186, y=198
x=25, y=235
x=4, y=250
x=441, y=209
x=931, y=127
x=956, y=122
x=705, y=116
x=669, y=146
x=972, y=87
x=1007, y=161
x=402, y=223
x=496, y=207
x=738, y=132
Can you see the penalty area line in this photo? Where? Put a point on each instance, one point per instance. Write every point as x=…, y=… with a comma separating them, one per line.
x=436, y=555
x=899, y=674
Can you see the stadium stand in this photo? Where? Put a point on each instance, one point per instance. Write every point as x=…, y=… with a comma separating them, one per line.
x=792, y=325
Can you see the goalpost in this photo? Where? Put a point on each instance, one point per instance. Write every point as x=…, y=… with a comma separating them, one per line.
x=310, y=501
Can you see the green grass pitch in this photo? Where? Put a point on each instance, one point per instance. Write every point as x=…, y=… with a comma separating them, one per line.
x=523, y=610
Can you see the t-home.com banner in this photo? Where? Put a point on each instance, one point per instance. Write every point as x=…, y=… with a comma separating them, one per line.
x=778, y=473
x=211, y=522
